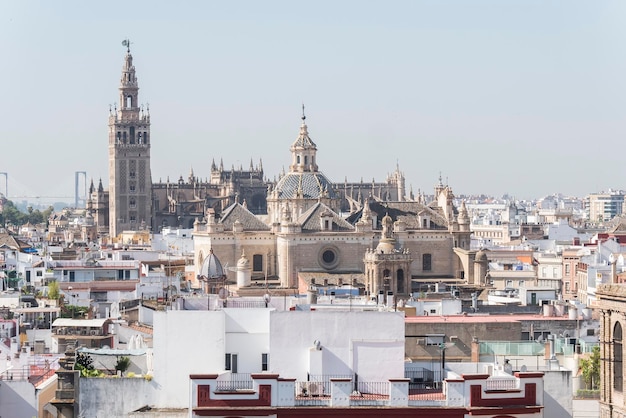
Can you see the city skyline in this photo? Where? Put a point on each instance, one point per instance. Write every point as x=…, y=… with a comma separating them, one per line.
x=523, y=98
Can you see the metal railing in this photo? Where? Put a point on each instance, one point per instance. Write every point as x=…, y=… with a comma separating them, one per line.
x=313, y=389
x=233, y=382
x=423, y=379
x=372, y=390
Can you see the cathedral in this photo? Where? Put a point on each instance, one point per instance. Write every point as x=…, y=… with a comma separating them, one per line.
x=297, y=230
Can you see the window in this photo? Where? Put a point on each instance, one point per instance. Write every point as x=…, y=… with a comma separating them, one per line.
x=427, y=260
x=567, y=286
x=328, y=257
x=400, y=281
x=257, y=262
x=520, y=283
x=231, y=362
x=264, y=362
x=509, y=283
x=617, y=357
x=567, y=267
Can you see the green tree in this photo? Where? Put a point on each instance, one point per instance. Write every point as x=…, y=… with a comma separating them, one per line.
x=53, y=290
x=83, y=361
x=590, y=368
x=123, y=363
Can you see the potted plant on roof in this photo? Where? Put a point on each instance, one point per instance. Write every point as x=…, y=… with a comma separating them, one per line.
x=123, y=363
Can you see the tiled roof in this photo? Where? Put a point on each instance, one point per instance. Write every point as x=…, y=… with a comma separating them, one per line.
x=236, y=212
x=404, y=211
x=310, y=220
x=8, y=240
x=306, y=185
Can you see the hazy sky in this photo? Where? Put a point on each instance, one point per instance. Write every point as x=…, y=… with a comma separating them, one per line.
x=521, y=97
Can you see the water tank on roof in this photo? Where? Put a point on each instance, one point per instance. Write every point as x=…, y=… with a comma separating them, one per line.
x=573, y=313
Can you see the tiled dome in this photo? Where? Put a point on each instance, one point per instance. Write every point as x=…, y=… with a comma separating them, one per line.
x=212, y=267
x=306, y=185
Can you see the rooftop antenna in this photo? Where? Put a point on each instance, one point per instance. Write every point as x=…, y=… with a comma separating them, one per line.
x=303, y=115
x=126, y=42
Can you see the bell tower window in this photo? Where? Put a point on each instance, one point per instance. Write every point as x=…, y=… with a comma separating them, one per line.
x=618, y=371
x=129, y=100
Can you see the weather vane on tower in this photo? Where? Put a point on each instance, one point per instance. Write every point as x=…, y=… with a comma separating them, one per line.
x=126, y=42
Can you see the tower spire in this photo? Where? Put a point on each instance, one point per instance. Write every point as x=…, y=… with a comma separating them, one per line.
x=130, y=180
x=126, y=42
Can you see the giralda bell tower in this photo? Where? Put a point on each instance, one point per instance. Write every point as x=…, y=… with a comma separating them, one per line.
x=130, y=181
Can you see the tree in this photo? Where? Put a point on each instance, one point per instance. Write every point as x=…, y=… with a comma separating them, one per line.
x=83, y=361
x=590, y=368
x=53, y=290
x=123, y=363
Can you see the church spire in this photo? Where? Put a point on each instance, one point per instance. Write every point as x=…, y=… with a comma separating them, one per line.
x=303, y=150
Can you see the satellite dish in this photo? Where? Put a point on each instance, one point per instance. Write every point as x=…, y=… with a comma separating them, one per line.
x=223, y=293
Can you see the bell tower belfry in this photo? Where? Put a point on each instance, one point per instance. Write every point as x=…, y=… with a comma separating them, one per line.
x=130, y=180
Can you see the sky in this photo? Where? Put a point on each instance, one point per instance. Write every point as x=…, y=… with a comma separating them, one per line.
x=526, y=98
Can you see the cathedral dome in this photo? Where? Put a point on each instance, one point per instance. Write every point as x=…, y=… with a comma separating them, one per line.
x=306, y=185
x=212, y=267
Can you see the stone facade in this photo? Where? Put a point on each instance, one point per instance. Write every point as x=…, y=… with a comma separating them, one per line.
x=130, y=180
x=612, y=305
x=393, y=243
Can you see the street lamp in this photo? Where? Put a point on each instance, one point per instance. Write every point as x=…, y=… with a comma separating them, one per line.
x=266, y=299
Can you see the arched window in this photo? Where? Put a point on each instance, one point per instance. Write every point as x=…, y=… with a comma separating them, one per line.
x=129, y=101
x=297, y=159
x=618, y=364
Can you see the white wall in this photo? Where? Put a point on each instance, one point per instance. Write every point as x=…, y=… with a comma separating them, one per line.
x=247, y=335
x=185, y=342
x=17, y=399
x=368, y=343
x=100, y=397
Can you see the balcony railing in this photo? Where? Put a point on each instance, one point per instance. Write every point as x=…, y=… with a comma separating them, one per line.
x=501, y=384
x=234, y=381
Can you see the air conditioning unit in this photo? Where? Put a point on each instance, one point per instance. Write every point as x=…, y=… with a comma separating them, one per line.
x=94, y=332
x=83, y=332
x=61, y=331
x=70, y=331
